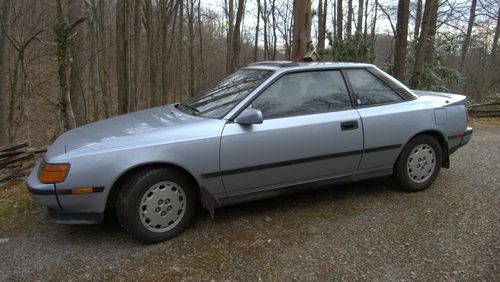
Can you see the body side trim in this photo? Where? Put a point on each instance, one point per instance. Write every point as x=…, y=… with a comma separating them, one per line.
x=298, y=161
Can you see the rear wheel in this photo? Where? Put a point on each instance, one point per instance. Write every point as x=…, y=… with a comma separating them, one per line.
x=419, y=163
x=156, y=205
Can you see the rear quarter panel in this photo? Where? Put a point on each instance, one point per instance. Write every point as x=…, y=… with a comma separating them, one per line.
x=395, y=124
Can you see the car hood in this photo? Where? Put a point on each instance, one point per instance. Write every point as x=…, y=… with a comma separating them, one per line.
x=158, y=125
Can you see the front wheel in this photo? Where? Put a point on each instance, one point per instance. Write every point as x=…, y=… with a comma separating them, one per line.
x=156, y=205
x=419, y=163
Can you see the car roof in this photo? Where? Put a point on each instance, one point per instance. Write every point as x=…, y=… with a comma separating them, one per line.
x=282, y=65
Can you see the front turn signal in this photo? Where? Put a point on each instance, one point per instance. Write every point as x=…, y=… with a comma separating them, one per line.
x=53, y=173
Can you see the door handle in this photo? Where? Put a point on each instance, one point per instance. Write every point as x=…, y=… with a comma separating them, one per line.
x=349, y=125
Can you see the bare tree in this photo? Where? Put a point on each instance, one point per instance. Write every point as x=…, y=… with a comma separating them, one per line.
x=494, y=47
x=418, y=19
x=76, y=80
x=136, y=58
x=235, y=58
x=64, y=31
x=4, y=20
x=321, y=24
x=94, y=83
x=401, y=42
x=151, y=58
x=423, y=40
x=122, y=50
x=275, y=38
x=359, y=26
x=470, y=25
x=257, y=30
x=372, y=32
x=340, y=19
x=229, y=38
x=301, y=28
x=431, y=35
x=191, y=48
x=200, y=38
x=348, y=25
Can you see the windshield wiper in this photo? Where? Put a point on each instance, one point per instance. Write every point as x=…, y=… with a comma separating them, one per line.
x=192, y=109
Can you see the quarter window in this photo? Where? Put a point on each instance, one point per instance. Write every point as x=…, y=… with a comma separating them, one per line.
x=369, y=90
x=304, y=93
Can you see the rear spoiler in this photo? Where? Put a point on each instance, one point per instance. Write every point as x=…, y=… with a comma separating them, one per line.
x=451, y=99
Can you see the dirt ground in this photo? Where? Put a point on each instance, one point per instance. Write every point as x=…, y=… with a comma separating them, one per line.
x=363, y=231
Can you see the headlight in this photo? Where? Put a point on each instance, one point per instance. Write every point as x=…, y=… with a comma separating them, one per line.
x=53, y=173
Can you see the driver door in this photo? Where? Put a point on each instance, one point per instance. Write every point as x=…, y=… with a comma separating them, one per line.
x=310, y=132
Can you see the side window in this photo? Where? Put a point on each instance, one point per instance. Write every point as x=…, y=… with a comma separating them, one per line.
x=369, y=90
x=304, y=93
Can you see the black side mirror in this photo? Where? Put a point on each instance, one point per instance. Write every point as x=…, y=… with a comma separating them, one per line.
x=250, y=116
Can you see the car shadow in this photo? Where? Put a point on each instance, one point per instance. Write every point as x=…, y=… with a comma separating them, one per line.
x=110, y=229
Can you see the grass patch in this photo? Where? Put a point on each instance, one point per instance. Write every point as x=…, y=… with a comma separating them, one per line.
x=484, y=121
x=16, y=206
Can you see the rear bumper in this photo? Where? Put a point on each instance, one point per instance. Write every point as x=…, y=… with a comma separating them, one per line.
x=464, y=139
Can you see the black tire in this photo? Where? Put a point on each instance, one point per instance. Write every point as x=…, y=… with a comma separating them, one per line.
x=130, y=201
x=404, y=176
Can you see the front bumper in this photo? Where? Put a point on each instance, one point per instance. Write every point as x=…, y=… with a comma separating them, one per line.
x=76, y=208
x=460, y=140
x=60, y=217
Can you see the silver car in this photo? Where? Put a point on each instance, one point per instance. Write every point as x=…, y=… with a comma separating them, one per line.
x=268, y=129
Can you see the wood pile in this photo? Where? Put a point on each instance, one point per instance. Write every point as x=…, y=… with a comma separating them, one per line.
x=17, y=160
x=485, y=110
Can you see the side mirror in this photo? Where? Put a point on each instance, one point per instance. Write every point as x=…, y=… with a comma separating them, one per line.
x=250, y=116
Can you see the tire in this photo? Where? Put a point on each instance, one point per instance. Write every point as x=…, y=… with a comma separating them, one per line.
x=418, y=164
x=156, y=205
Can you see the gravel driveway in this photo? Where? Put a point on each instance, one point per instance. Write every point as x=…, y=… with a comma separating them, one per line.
x=363, y=231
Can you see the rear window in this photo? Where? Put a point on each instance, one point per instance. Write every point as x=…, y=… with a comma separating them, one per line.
x=369, y=90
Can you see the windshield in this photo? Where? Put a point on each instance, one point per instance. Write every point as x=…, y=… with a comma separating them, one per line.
x=218, y=100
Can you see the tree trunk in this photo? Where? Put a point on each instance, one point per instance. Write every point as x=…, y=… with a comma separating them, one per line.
x=265, y=19
x=301, y=29
x=372, y=32
x=94, y=85
x=63, y=32
x=235, y=59
x=103, y=58
x=256, y=42
x=201, y=77
x=365, y=29
x=191, y=48
x=321, y=37
x=348, y=24
x=229, y=37
x=122, y=50
x=422, y=42
x=178, y=95
x=4, y=21
x=494, y=47
x=431, y=36
x=275, y=39
x=359, y=27
x=418, y=20
x=76, y=81
x=151, y=59
x=340, y=21
x=401, y=42
x=470, y=25
x=136, y=72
